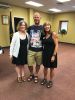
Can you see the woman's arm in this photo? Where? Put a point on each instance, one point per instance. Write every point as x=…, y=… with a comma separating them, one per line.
x=55, y=38
x=12, y=45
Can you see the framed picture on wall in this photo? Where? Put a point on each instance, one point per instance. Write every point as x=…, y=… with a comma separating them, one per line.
x=5, y=19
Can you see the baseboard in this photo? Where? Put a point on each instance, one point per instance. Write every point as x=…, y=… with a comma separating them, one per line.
x=67, y=43
x=6, y=47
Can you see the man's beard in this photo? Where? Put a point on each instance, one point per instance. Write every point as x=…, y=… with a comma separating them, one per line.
x=37, y=23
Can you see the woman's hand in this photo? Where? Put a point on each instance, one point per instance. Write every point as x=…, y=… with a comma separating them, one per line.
x=53, y=58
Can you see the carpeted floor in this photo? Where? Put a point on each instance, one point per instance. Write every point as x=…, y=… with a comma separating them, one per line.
x=64, y=80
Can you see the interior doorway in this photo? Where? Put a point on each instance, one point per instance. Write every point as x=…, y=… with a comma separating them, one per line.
x=16, y=20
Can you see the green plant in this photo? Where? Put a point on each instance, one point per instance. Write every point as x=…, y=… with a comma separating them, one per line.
x=63, y=32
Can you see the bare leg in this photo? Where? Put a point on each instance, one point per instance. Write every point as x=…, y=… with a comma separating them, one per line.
x=31, y=69
x=23, y=73
x=50, y=82
x=37, y=70
x=51, y=73
x=44, y=81
x=36, y=74
x=31, y=77
x=45, y=73
x=22, y=70
x=18, y=70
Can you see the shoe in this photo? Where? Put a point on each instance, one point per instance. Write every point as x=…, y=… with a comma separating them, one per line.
x=43, y=82
x=23, y=79
x=35, y=79
x=30, y=78
x=19, y=80
x=49, y=84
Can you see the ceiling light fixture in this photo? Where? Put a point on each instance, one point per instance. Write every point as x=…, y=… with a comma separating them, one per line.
x=55, y=10
x=34, y=3
x=5, y=5
x=63, y=0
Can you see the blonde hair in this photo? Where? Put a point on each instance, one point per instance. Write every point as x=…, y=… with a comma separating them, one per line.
x=47, y=23
x=36, y=14
x=20, y=23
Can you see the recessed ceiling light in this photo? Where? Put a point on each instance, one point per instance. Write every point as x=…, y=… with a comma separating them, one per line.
x=55, y=10
x=63, y=0
x=34, y=3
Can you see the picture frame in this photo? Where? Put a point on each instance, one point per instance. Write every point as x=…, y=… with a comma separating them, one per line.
x=5, y=19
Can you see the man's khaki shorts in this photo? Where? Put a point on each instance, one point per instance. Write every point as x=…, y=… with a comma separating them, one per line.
x=34, y=57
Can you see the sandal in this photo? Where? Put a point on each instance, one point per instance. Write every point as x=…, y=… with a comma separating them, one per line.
x=49, y=84
x=23, y=79
x=43, y=82
x=30, y=78
x=19, y=80
x=35, y=79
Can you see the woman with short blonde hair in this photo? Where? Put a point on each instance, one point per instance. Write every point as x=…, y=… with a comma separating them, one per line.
x=18, y=50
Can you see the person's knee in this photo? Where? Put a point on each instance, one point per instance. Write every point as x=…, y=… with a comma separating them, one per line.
x=52, y=69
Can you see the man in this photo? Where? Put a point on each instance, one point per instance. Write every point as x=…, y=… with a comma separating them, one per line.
x=35, y=47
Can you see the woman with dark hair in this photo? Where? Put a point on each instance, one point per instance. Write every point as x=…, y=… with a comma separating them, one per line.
x=50, y=48
x=18, y=50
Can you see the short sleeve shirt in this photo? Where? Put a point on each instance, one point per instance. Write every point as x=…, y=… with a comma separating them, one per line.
x=35, y=32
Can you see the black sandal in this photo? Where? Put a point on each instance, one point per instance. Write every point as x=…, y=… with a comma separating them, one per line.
x=30, y=78
x=43, y=82
x=49, y=84
x=35, y=79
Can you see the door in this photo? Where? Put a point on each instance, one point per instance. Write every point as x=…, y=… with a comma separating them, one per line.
x=16, y=20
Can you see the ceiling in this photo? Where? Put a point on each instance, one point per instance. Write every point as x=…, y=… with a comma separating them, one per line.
x=48, y=4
